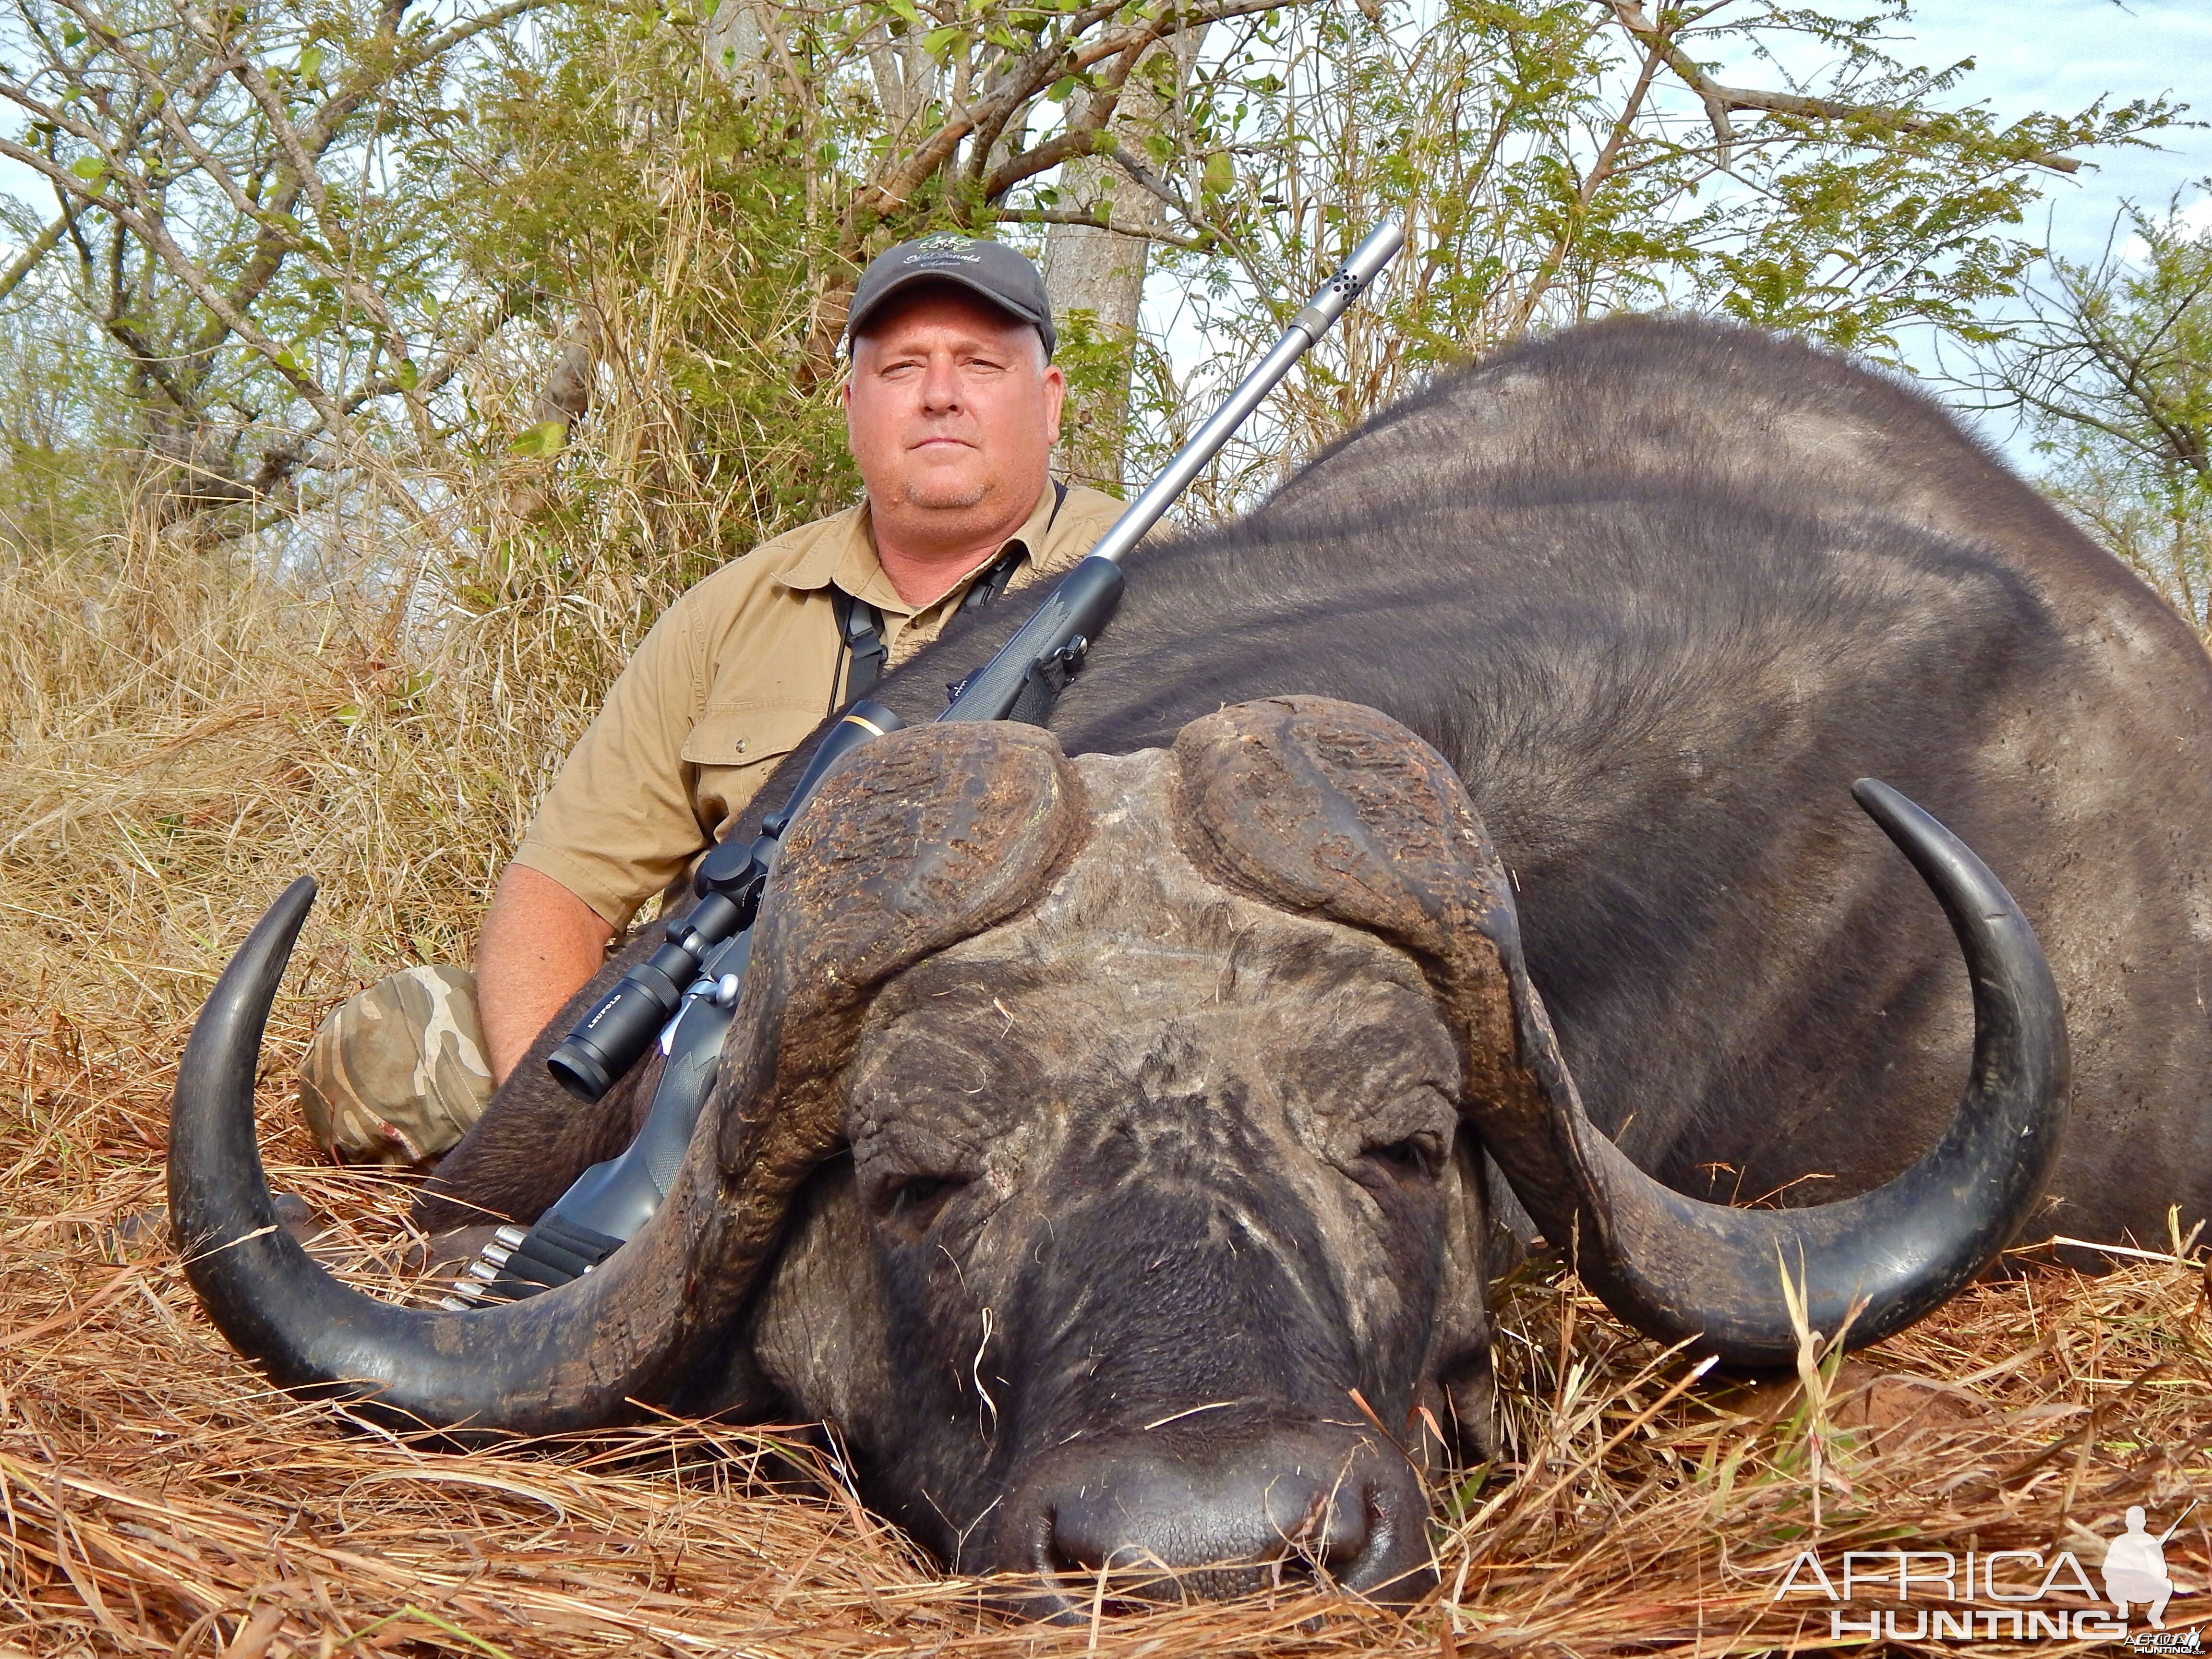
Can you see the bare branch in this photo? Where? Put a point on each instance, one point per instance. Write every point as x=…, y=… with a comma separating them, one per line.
x=288, y=138
x=1099, y=222
x=1152, y=182
x=1585, y=192
x=40, y=246
x=1098, y=110
x=1719, y=101
x=1029, y=75
x=152, y=364
x=373, y=77
x=1076, y=142
x=155, y=235
x=305, y=177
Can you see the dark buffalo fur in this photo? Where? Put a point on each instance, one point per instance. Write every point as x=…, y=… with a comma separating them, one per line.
x=1659, y=591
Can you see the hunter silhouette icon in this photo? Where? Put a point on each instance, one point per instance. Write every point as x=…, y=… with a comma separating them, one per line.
x=2134, y=1567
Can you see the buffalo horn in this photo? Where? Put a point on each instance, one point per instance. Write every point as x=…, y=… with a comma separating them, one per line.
x=938, y=833
x=1686, y=1270
x=1364, y=822
x=557, y=1361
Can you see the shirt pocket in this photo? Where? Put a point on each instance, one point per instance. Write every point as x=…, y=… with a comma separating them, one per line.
x=732, y=750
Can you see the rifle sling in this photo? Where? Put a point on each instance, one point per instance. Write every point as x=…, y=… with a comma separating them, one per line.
x=863, y=651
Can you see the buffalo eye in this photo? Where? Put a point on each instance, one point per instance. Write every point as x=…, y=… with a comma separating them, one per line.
x=913, y=1203
x=1414, y=1157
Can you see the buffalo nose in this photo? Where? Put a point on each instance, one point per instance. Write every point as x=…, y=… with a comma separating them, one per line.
x=1146, y=1521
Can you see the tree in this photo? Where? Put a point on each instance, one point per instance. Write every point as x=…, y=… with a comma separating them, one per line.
x=327, y=251
x=1560, y=160
x=253, y=201
x=2112, y=369
x=1097, y=252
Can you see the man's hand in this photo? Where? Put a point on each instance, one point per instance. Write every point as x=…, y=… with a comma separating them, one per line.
x=540, y=944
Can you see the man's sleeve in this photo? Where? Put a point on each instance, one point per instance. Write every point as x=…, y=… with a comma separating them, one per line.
x=618, y=825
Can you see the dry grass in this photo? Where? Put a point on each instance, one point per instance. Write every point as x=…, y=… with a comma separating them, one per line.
x=158, y=1498
x=181, y=738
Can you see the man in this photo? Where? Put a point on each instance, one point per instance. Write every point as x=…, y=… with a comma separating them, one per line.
x=952, y=407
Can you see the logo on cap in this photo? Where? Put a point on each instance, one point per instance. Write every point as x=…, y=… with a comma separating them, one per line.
x=943, y=248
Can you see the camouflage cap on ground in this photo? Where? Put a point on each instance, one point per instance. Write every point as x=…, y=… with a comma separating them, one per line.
x=397, y=1074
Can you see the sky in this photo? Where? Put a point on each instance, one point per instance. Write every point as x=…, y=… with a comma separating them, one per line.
x=2062, y=56
x=2056, y=55
x=2065, y=54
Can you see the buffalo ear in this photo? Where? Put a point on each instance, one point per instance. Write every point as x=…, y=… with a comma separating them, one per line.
x=1332, y=809
x=926, y=837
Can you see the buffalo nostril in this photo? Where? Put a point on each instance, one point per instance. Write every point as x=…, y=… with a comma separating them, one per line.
x=1086, y=1562
x=1135, y=1526
x=1327, y=1538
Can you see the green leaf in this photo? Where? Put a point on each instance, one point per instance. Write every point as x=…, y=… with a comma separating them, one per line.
x=430, y=306
x=90, y=168
x=543, y=441
x=939, y=43
x=311, y=65
x=905, y=9
x=286, y=359
x=71, y=35
x=407, y=375
x=1219, y=176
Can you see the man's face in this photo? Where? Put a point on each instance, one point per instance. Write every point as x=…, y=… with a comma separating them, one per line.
x=950, y=410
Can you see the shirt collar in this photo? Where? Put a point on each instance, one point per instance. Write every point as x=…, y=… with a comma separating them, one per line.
x=845, y=553
x=831, y=549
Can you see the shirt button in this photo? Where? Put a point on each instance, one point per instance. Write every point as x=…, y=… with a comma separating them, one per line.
x=741, y=745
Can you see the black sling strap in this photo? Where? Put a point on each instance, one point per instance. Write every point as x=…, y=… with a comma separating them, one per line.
x=861, y=625
x=860, y=629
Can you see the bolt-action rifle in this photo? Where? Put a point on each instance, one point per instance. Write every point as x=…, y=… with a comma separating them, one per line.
x=685, y=993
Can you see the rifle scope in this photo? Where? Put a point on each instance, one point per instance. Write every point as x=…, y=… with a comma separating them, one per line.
x=614, y=1036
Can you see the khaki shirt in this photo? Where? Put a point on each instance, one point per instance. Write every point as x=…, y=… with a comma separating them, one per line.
x=731, y=679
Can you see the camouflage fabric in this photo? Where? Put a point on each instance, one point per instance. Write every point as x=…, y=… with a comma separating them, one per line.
x=397, y=1074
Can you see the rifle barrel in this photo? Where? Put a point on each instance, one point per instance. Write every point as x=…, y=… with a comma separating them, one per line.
x=2177, y=1520
x=1362, y=267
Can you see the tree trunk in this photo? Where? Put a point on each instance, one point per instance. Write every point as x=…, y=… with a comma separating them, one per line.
x=735, y=44
x=1102, y=273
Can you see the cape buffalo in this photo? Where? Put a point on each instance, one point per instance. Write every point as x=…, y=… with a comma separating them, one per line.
x=1106, y=1105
